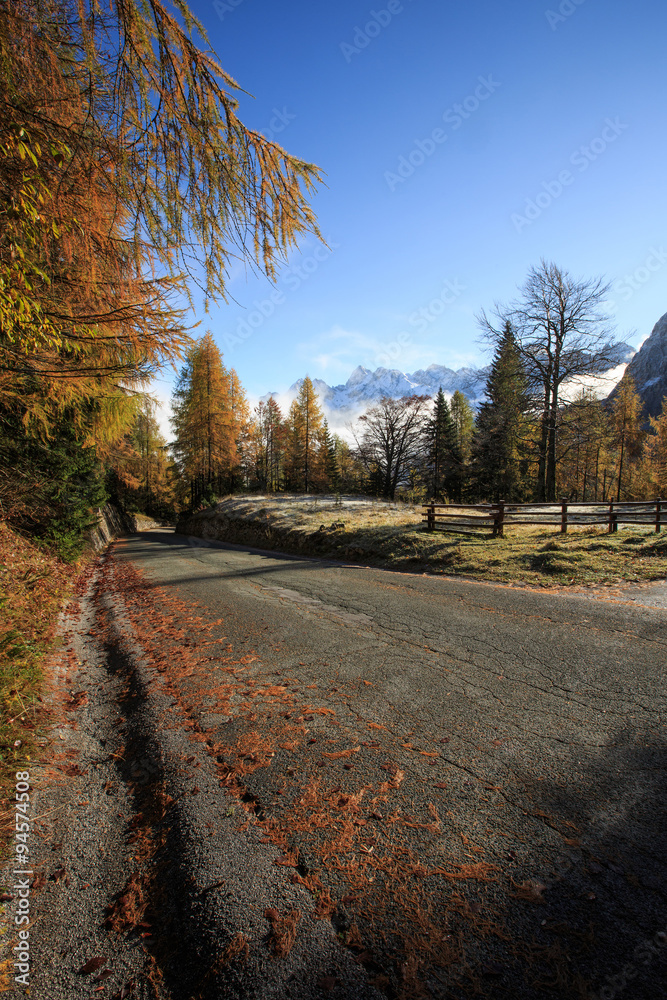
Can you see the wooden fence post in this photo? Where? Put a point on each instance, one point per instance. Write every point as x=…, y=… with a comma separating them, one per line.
x=499, y=521
x=658, y=507
x=431, y=517
x=563, y=515
x=613, y=518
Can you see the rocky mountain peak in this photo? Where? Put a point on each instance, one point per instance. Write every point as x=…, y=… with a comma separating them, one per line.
x=648, y=369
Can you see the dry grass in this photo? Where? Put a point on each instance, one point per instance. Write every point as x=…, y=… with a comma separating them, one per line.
x=390, y=535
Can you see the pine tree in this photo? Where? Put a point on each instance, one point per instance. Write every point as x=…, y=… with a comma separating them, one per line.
x=464, y=423
x=331, y=469
x=440, y=445
x=500, y=440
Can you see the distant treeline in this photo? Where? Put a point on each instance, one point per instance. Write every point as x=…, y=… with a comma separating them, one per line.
x=417, y=447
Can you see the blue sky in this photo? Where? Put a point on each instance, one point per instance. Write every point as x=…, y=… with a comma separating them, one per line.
x=462, y=142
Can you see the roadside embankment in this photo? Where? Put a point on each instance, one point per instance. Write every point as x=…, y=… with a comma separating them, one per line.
x=114, y=522
x=390, y=535
x=35, y=587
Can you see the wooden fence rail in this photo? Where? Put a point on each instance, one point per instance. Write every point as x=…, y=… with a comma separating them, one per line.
x=498, y=516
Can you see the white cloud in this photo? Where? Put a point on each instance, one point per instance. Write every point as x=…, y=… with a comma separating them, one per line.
x=600, y=384
x=334, y=354
x=163, y=407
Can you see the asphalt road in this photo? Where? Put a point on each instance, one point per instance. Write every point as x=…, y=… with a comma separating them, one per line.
x=464, y=784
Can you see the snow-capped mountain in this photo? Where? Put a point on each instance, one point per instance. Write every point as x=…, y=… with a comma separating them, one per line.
x=344, y=403
x=365, y=387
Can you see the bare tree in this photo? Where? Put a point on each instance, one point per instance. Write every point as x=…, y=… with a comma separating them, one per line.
x=391, y=437
x=563, y=334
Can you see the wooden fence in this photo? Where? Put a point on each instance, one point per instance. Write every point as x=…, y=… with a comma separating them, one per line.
x=498, y=516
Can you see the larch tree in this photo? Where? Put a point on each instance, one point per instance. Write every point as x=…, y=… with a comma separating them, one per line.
x=628, y=434
x=350, y=469
x=563, y=334
x=139, y=473
x=305, y=427
x=237, y=421
x=126, y=178
x=655, y=455
x=201, y=421
x=585, y=446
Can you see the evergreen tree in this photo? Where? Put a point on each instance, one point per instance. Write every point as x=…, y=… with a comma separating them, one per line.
x=440, y=448
x=499, y=445
x=49, y=487
x=464, y=423
x=329, y=451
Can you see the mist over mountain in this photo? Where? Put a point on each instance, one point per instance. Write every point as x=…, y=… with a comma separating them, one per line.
x=345, y=402
x=364, y=387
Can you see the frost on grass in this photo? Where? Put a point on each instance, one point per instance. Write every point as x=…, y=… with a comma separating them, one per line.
x=380, y=533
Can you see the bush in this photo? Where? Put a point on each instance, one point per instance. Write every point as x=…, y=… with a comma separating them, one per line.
x=52, y=486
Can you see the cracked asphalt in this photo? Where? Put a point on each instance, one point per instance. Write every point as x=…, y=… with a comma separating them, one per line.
x=463, y=783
